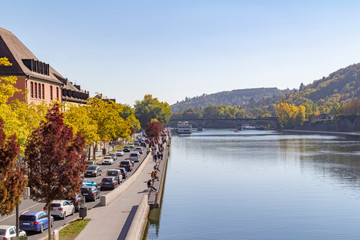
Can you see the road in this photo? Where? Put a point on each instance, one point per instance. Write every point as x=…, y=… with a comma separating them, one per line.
x=37, y=206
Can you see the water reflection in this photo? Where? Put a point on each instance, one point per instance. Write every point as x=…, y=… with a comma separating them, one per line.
x=260, y=185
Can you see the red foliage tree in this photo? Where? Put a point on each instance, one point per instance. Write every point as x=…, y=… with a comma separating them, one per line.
x=12, y=180
x=55, y=160
x=153, y=129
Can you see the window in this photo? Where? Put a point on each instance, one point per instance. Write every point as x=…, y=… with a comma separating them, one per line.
x=39, y=90
x=57, y=92
x=32, y=89
x=35, y=90
x=12, y=231
x=51, y=93
x=43, y=91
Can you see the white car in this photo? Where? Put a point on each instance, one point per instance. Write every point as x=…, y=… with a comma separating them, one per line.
x=107, y=160
x=61, y=208
x=9, y=232
x=119, y=153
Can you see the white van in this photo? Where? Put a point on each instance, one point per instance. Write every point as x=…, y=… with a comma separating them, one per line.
x=134, y=156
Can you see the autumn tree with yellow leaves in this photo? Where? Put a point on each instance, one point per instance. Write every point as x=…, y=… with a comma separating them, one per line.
x=289, y=115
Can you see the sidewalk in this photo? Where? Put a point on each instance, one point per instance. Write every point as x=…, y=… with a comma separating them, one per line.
x=113, y=221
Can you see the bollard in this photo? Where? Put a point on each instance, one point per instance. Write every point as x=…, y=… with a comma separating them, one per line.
x=56, y=234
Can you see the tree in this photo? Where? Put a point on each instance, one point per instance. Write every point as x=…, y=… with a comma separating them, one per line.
x=19, y=117
x=151, y=108
x=54, y=160
x=154, y=128
x=289, y=115
x=12, y=180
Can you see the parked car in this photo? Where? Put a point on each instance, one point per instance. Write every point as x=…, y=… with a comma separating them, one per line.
x=127, y=165
x=89, y=182
x=61, y=208
x=93, y=171
x=136, y=143
x=75, y=200
x=131, y=145
x=90, y=193
x=8, y=232
x=127, y=148
x=143, y=144
x=107, y=160
x=113, y=155
x=115, y=173
x=35, y=221
x=89, y=163
x=123, y=172
x=139, y=149
x=134, y=156
x=108, y=182
x=119, y=153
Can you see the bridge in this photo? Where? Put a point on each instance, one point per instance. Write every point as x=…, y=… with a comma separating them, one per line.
x=236, y=123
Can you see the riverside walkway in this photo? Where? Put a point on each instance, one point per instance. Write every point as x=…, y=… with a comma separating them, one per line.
x=114, y=220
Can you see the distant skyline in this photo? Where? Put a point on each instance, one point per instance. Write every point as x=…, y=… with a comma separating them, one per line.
x=178, y=49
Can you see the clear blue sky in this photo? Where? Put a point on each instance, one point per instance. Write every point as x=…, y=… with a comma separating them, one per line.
x=177, y=48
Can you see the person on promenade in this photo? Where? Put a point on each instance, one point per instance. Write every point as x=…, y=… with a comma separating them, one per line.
x=156, y=168
x=150, y=186
x=161, y=156
x=153, y=176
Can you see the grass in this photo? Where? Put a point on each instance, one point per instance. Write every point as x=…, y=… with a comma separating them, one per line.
x=72, y=230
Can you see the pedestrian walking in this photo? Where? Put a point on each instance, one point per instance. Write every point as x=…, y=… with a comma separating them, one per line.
x=161, y=156
x=150, y=186
x=156, y=168
x=153, y=176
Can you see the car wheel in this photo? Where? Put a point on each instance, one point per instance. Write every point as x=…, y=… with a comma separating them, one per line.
x=64, y=216
x=41, y=228
x=73, y=211
x=52, y=223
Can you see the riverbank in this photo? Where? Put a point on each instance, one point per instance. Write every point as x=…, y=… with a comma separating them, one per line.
x=125, y=211
x=351, y=135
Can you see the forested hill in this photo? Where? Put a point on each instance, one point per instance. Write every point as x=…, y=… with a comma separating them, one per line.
x=339, y=87
x=240, y=97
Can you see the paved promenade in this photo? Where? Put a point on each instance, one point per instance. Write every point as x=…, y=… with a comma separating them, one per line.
x=113, y=221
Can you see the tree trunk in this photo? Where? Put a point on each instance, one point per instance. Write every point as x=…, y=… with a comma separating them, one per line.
x=89, y=153
x=94, y=152
x=49, y=221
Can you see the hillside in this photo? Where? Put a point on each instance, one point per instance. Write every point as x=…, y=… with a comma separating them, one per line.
x=240, y=98
x=339, y=87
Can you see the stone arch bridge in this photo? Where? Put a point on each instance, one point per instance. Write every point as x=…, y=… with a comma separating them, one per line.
x=237, y=123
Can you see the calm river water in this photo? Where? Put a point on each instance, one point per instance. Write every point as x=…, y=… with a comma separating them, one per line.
x=260, y=185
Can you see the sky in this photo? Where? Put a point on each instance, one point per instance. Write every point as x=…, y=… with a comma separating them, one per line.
x=184, y=48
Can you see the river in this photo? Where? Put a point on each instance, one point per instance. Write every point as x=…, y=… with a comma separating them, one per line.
x=222, y=184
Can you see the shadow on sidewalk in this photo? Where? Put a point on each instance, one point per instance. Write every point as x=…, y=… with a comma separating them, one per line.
x=127, y=223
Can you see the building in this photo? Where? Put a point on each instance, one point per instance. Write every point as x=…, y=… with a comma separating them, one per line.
x=42, y=82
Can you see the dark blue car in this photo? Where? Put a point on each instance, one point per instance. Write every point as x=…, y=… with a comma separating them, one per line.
x=34, y=221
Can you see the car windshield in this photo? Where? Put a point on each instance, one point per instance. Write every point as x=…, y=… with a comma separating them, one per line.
x=27, y=218
x=134, y=154
x=91, y=168
x=85, y=190
x=124, y=163
x=107, y=179
x=107, y=157
x=2, y=232
x=88, y=181
x=112, y=173
x=126, y=147
x=55, y=205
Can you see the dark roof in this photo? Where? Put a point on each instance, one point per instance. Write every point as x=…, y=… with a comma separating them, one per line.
x=12, y=48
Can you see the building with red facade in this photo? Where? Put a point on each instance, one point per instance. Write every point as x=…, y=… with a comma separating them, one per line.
x=42, y=82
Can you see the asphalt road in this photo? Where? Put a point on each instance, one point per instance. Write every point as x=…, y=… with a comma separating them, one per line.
x=37, y=206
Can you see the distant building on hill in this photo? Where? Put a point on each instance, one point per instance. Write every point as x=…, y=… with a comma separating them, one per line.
x=42, y=82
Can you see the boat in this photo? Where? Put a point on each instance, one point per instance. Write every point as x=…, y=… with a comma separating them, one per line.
x=183, y=127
